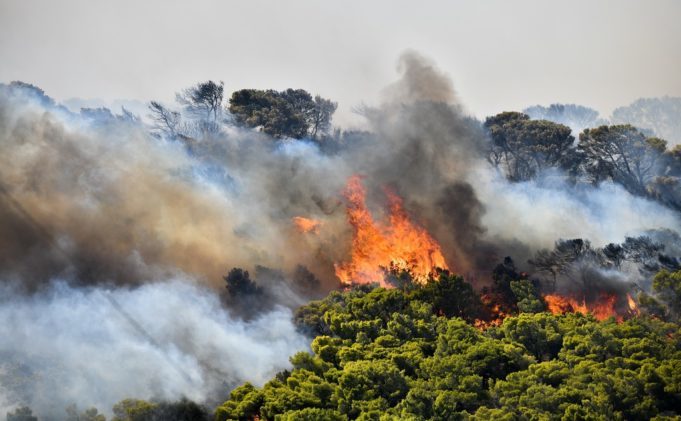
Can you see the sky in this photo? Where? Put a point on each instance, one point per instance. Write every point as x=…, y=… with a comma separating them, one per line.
x=500, y=54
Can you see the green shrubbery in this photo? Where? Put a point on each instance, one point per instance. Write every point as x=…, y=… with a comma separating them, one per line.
x=413, y=353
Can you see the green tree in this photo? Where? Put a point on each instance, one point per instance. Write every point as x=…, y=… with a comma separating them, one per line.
x=291, y=113
x=622, y=154
x=521, y=148
x=667, y=287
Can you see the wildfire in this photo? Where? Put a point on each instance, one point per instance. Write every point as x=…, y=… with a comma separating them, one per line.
x=633, y=308
x=306, y=225
x=602, y=308
x=399, y=243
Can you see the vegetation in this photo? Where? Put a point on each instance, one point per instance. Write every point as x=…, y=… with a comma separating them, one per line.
x=623, y=154
x=659, y=115
x=574, y=116
x=290, y=113
x=523, y=148
x=413, y=353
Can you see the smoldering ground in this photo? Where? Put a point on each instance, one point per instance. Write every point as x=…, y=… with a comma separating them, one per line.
x=95, y=201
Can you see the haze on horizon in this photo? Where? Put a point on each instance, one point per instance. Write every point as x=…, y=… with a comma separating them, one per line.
x=500, y=55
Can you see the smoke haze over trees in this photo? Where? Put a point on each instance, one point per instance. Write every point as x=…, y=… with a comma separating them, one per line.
x=168, y=244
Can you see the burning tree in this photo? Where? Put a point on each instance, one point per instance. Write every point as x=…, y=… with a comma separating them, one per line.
x=377, y=247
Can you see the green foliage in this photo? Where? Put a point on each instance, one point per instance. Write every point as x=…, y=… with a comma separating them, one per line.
x=405, y=354
x=528, y=300
x=140, y=410
x=312, y=414
x=290, y=113
x=623, y=154
x=667, y=286
x=133, y=410
x=522, y=148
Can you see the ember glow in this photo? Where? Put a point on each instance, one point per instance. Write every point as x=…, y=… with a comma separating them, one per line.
x=306, y=225
x=397, y=243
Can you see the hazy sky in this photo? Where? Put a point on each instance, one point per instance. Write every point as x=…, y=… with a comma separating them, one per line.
x=500, y=54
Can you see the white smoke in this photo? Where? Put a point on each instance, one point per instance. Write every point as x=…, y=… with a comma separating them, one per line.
x=540, y=211
x=166, y=340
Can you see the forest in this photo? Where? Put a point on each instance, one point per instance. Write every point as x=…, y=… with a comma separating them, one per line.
x=426, y=312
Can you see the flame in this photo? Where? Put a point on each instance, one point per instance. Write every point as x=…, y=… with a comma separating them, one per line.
x=495, y=310
x=306, y=225
x=398, y=244
x=633, y=307
x=601, y=309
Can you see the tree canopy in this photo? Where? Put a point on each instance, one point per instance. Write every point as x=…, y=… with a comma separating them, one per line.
x=623, y=154
x=577, y=117
x=407, y=353
x=522, y=148
x=290, y=113
x=659, y=115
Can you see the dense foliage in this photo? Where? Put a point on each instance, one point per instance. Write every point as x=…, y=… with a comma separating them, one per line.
x=522, y=148
x=412, y=353
x=290, y=113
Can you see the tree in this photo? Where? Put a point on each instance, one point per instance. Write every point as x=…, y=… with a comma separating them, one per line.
x=528, y=300
x=577, y=117
x=165, y=121
x=133, y=410
x=91, y=414
x=521, y=148
x=290, y=113
x=269, y=111
x=23, y=413
x=239, y=284
x=387, y=356
x=203, y=100
x=622, y=154
x=320, y=117
x=667, y=286
x=140, y=410
x=660, y=115
x=666, y=190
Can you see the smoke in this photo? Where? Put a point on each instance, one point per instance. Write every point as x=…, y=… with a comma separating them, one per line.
x=101, y=201
x=94, y=200
x=421, y=81
x=540, y=211
x=78, y=345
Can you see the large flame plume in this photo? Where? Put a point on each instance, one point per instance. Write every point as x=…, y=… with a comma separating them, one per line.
x=398, y=243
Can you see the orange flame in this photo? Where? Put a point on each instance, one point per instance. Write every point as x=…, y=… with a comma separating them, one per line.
x=375, y=246
x=632, y=305
x=306, y=225
x=601, y=309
